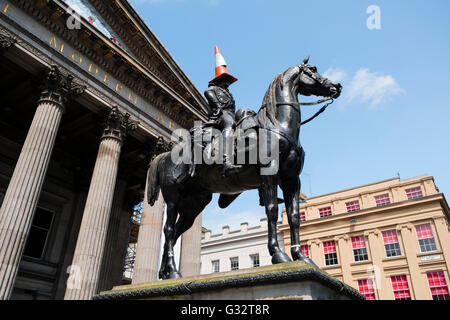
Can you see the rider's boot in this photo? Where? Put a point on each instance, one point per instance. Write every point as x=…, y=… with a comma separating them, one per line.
x=228, y=167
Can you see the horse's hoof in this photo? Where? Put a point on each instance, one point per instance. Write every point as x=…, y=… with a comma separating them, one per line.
x=280, y=257
x=309, y=261
x=175, y=275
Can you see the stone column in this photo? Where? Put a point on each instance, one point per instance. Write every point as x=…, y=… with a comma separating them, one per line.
x=345, y=254
x=149, y=241
x=121, y=246
x=25, y=186
x=84, y=279
x=105, y=282
x=191, y=246
x=418, y=279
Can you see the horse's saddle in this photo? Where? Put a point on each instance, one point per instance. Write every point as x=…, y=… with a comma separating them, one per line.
x=204, y=138
x=245, y=120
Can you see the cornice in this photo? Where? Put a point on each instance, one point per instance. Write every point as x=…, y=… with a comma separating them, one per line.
x=145, y=45
x=162, y=51
x=89, y=42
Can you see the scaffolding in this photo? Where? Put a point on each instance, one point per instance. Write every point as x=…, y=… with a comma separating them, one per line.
x=135, y=221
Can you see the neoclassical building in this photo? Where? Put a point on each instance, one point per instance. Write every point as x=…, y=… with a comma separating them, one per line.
x=89, y=95
x=389, y=239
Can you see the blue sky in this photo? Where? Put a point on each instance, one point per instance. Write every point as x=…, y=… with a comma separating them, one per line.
x=393, y=114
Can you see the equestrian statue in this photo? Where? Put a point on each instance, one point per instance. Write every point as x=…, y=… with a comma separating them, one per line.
x=188, y=188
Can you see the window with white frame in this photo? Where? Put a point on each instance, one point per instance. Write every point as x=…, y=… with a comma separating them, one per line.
x=382, y=200
x=302, y=216
x=438, y=285
x=255, y=260
x=234, y=263
x=425, y=237
x=325, y=212
x=414, y=193
x=352, y=206
x=329, y=250
x=305, y=249
x=400, y=287
x=391, y=245
x=359, y=249
x=215, y=266
x=366, y=288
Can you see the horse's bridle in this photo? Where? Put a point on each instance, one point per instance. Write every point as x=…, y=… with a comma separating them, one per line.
x=296, y=105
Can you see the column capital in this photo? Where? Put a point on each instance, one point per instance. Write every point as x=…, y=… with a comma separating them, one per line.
x=118, y=125
x=375, y=232
x=408, y=226
x=6, y=39
x=315, y=241
x=58, y=88
x=344, y=237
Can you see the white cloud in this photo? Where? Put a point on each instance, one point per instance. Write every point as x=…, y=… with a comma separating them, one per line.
x=334, y=74
x=365, y=86
x=371, y=87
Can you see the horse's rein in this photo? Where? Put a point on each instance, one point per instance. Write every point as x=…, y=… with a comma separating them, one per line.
x=297, y=105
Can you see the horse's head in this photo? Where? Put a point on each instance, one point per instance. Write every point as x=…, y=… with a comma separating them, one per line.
x=310, y=82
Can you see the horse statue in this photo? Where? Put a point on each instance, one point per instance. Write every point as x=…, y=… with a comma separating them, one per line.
x=280, y=115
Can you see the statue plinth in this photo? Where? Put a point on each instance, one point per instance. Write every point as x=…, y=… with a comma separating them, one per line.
x=286, y=281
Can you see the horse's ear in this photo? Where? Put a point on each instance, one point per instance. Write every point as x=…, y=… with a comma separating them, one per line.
x=306, y=60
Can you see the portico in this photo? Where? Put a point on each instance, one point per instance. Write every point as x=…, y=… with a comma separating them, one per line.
x=80, y=121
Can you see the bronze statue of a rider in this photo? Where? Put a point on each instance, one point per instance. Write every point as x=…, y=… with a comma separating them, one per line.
x=222, y=112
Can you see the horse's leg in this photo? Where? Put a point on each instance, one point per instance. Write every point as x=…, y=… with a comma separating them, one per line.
x=269, y=193
x=291, y=192
x=189, y=213
x=168, y=266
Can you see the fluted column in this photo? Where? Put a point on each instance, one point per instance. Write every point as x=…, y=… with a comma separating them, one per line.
x=191, y=245
x=105, y=282
x=94, y=225
x=25, y=186
x=149, y=241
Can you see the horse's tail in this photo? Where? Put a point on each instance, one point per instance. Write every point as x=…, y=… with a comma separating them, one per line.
x=153, y=186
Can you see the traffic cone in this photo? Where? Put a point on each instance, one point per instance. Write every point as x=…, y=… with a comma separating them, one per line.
x=221, y=68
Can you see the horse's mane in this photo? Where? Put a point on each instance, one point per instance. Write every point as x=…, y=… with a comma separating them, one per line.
x=267, y=114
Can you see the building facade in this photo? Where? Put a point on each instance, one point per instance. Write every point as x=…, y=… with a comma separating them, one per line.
x=389, y=239
x=237, y=249
x=89, y=96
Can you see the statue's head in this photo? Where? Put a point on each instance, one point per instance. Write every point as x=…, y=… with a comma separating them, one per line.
x=223, y=82
x=310, y=82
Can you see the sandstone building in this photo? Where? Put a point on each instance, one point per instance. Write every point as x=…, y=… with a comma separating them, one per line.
x=389, y=239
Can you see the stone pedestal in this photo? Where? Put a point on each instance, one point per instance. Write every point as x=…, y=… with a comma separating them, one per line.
x=289, y=281
x=22, y=195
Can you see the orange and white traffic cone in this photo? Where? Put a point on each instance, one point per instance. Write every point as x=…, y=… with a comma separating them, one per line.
x=221, y=68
